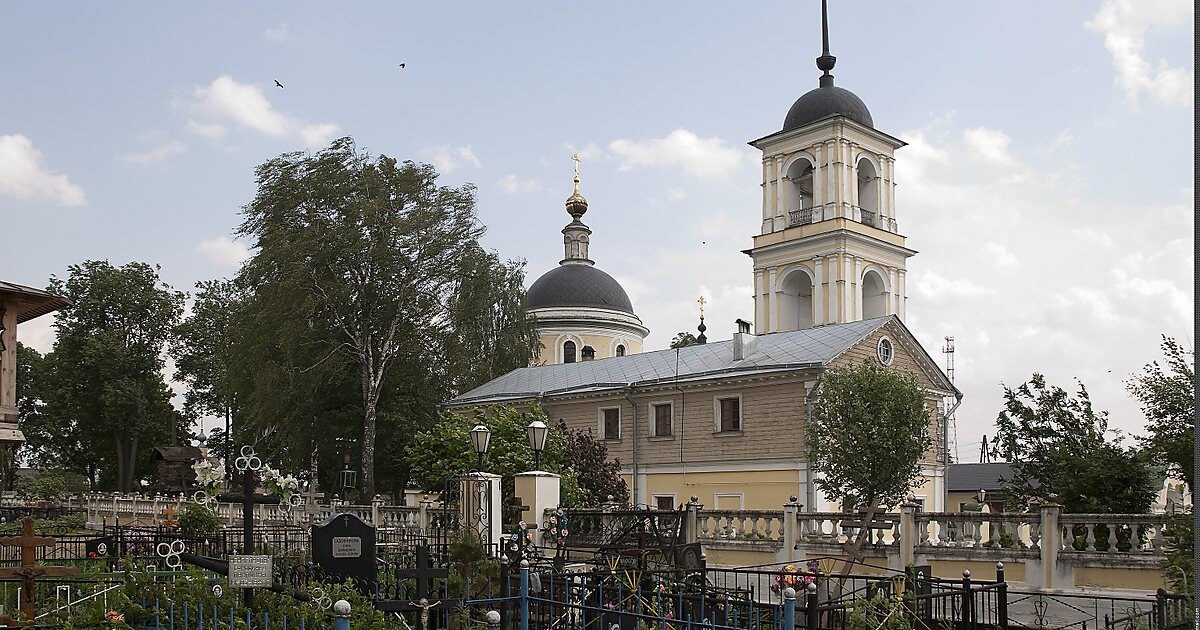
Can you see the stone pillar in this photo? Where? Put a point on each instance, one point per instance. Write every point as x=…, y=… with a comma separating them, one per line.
x=423, y=513
x=908, y=534
x=856, y=290
x=539, y=491
x=772, y=305
x=692, y=522
x=819, y=194
x=901, y=294
x=479, y=501
x=1050, y=543
x=780, y=203
x=760, y=302
x=791, y=529
x=376, y=516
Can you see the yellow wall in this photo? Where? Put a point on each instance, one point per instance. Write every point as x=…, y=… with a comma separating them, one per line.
x=1119, y=577
x=980, y=569
x=760, y=490
x=602, y=344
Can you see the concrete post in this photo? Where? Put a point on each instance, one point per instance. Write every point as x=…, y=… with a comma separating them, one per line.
x=376, y=517
x=540, y=491
x=791, y=529
x=691, y=523
x=1050, y=543
x=789, y=608
x=908, y=534
x=423, y=513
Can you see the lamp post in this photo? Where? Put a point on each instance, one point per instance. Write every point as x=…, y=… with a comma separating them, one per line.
x=537, y=431
x=480, y=437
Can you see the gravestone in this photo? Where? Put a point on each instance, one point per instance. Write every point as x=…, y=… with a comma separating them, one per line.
x=344, y=546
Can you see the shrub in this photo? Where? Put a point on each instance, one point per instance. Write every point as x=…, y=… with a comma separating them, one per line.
x=196, y=518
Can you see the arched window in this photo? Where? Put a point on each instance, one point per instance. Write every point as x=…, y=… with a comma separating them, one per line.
x=620, y=350
x=569, y=352
x=868, y=192
x=589, y=353
x=795, y=303
x=874, y=295
x=800, y=198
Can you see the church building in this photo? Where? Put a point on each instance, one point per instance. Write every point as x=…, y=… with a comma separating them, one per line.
x=725, y=421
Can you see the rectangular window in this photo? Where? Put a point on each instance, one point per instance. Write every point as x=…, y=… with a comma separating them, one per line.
x=612, y=424
x=662, y=420
x=664, y=502
x=731, y=414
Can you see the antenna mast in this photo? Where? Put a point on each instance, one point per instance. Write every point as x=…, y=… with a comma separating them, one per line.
x=951, y=425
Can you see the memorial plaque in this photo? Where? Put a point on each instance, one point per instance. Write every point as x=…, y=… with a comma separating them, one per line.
x=347, y=547
x=343, y=546
x=250, y=571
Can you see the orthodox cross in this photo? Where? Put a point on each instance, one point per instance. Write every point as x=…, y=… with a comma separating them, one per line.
x=576, y=158
x=248, y=464
x=168, y=518
x=424, y=573
x=702, y=302
x=29, y=572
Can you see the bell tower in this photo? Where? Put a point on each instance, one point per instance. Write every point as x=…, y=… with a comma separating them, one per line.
x=829, y=250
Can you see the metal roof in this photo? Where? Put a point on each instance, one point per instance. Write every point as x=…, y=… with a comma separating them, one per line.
x=772, y=352
x=974, y=477
x=31, y=302
x=578, y=285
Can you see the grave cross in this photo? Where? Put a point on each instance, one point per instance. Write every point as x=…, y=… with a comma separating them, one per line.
x=248, y=498
x=424, y=573
x=168, y=519
x=28, y=571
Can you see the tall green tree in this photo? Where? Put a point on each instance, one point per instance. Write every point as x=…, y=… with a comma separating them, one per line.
x=202, y=347
x=367, y=260
x=1168, y=399
x=1057, y=446
x=104, y=382
x=683, y=340
x=857, y=409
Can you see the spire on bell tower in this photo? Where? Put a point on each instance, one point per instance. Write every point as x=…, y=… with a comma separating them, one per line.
x=826, y=61
x=576, y=235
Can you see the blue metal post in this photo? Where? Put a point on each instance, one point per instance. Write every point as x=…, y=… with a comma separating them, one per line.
x=524, y=595
x=341, y=615
x=789, y=608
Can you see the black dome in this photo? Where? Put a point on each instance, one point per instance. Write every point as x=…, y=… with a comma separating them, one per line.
x=577, y=285
x=824, y=102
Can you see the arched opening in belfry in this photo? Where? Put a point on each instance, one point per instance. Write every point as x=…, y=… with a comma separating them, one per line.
x=800, y=192
x=874, y=295
x=868, y=191
x=569, y=352
x=796, y=301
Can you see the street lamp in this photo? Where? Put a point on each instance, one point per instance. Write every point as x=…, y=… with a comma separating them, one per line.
x=480, y=437
x=537, y=431
x=349, y=475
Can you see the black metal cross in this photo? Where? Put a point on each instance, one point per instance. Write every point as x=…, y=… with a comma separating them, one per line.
x=424, y=573
x=248, y=498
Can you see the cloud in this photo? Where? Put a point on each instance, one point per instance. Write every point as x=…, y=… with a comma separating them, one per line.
x=210, y=131
x=1033, y=271
x=278, y=34
x=223, y=251
x=23, y=176
x=1124, y=24
x=447, y=159
x=701, y=157
x=246, y=105
x=157, y=154
x=514, y=185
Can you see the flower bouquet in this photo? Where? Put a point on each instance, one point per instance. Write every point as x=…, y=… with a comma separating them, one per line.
x=797, y=578
x=555, y=528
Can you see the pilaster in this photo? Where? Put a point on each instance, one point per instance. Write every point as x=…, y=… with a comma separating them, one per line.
x=819, y=301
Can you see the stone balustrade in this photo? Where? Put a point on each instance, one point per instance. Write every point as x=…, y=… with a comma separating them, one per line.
x=1112, y=533
x=750, y=525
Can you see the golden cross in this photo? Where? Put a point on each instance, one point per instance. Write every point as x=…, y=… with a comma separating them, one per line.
x=169, y=519
x=576, y=158
x=702, y=302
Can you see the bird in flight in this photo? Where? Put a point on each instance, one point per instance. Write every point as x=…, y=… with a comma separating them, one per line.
x=277, y=83
x=401, y=65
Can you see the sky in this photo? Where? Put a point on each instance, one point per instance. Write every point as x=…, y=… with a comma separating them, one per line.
x=1047, y=183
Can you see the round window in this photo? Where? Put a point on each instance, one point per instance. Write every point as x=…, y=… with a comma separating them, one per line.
x=883, y=350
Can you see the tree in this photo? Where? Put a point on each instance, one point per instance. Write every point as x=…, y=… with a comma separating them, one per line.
x=683, y=340
x=30, y=369
x=598, y=477
x=104, y=379
x=1057, y=448
x=443, y=452
x=1168, y=399
x=362, y=257
x=868, y=432
x=202, y=348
